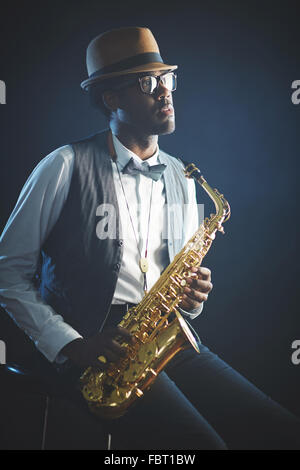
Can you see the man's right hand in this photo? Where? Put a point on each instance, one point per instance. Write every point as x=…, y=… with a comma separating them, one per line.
x=85, y=352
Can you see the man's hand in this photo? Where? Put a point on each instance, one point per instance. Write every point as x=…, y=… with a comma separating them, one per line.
x=199, y=286
x=85, y=352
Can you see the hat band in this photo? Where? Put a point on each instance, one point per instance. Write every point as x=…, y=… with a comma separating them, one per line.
x=140, y=59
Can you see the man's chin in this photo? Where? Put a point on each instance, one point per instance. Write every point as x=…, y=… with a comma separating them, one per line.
x=167, y=127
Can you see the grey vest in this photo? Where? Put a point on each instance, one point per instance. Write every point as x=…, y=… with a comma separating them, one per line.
x=80, y=271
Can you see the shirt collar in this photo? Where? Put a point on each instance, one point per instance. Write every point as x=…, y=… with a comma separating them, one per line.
x=124, y=154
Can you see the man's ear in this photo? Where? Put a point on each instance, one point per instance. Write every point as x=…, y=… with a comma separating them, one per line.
x=110, y=100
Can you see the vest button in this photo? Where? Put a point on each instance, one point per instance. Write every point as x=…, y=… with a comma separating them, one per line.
x=117, y=266
x=119, y=242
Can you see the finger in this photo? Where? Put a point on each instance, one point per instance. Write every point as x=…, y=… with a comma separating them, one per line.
x=124, y=333
x=110, y=355
x=202, y=286
x=116, y=348
x=200, y=273
x=118, y=333
x=97, y=356
x=204, y=273
x=189, y=304
x=196, y=295
x=108, y=344
x=103, y=359
x=101, y=366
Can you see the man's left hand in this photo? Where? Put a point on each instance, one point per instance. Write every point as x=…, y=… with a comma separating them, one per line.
x=199, y=286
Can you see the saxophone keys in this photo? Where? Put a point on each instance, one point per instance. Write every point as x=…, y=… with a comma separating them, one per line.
x=172, y=289
x=159, y=294
x=221, y=228
x=144, y=337
x=175, y=281
x=102, y=359
x=191, y=274
x=139, y=393
x=165, y=307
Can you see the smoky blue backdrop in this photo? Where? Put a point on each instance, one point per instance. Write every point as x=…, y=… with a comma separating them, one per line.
x=235, y=120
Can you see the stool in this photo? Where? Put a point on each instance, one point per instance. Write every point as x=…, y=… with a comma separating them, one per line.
x=23, y=380
x=19, y=378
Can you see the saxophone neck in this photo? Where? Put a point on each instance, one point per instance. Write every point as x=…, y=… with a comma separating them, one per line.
x=221, y=205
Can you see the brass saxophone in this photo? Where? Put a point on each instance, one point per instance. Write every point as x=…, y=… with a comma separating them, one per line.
x=159, y=330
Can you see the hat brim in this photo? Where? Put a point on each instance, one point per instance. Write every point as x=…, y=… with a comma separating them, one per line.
x=151, y=67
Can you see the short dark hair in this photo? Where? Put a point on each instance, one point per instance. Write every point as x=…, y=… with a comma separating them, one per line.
x=96, y=90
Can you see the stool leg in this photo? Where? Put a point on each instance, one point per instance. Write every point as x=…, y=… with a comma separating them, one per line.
x=45, y=423
x=108, y=441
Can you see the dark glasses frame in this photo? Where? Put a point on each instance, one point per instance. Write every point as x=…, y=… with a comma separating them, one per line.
x=159, y=79
x=131, y=81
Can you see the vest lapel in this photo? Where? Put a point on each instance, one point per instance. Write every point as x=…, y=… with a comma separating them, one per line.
x=105, y=176
x=174, y=208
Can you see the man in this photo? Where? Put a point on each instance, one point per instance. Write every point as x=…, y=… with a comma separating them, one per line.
x=92, y=272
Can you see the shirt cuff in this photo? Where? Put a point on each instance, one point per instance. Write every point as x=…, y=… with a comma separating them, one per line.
x=192, y=313
x=53, y=338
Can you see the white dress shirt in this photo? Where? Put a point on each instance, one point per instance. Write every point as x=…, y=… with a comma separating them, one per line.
x=137, y=191
x=36, y=212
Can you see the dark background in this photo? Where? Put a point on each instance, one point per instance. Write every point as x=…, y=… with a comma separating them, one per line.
x=235, y=120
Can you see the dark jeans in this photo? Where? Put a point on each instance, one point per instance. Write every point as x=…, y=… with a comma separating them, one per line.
x=200, y=402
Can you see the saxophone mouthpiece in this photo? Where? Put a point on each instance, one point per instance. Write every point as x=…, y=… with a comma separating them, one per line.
x=191, y=171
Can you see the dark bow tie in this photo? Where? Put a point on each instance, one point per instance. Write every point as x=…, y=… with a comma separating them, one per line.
x=155, y=171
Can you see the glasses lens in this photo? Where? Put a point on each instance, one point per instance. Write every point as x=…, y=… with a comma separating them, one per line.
x=169, y=81
x=148, y=84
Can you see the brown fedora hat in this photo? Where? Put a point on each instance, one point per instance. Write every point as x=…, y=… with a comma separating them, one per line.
x=121, y=52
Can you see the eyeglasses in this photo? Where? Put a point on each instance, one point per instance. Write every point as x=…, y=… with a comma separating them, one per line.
x=150, y=83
